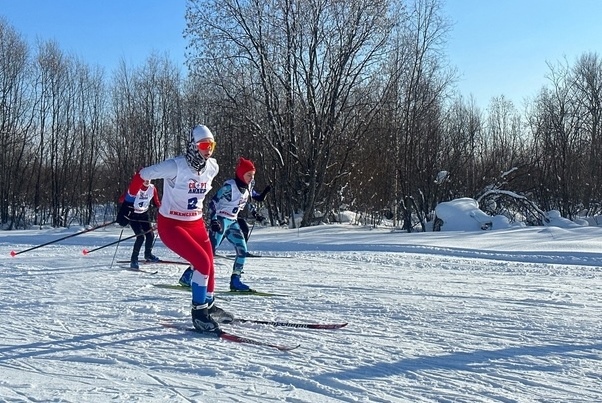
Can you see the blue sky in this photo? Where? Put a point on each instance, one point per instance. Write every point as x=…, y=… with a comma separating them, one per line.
x=502, y=46
x=498, y=46
x=103, y=32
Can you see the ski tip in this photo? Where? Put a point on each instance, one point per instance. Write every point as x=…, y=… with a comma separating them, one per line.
x=287, y=348
x=13, y=253
x=85, y=251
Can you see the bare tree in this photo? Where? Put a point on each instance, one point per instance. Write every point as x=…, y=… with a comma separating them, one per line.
x=461, y=151
x=292, y=70
x=587, y=84
x=86, y=187
x=16, y=102
x=557, y=126
x=147, y=109
x=422, y=81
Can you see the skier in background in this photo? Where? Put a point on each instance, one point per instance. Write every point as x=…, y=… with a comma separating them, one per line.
x=134, y=211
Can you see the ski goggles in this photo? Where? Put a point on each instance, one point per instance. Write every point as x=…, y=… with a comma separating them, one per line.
x=206, y=145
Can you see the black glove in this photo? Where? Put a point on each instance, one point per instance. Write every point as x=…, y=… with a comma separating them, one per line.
x=262, y=195
x=216, y=225
x=258, y=217
x=125, y=211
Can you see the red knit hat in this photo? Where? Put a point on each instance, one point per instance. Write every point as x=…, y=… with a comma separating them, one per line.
x=243, y=167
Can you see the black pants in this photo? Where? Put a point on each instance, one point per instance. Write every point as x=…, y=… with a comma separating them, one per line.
x=244, y=227
x=140, y=223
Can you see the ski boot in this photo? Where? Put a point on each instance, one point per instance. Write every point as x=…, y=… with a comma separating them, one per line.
x=186, y=278
x=237, y=285
x=202, y=320
x=134, y=264
x=149, y=257
x=218, y=314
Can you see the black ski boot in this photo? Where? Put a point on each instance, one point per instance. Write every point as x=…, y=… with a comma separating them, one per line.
x=202, y=320
x=218, y=314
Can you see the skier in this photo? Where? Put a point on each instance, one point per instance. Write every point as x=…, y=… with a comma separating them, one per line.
x=187, y=180
x=224, y=209
x=134, y=211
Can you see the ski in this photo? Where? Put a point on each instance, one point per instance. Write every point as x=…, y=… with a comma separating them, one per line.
x=173, y=287
x=141, y=270
x=160, y=261
x=246, y=340
x=249, y=293
x=252, y=255
x=233, y=337
x=268, y=256
x=292, y=324
x=223, y=292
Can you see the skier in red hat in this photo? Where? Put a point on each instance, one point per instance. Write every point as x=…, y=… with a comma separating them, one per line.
x=224, y=209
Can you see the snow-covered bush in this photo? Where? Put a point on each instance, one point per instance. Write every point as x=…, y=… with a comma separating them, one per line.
x=464, y=215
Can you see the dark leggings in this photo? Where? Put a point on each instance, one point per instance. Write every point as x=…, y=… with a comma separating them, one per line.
x=140, y=223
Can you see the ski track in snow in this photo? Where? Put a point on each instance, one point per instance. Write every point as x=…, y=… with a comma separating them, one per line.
x=423, y=327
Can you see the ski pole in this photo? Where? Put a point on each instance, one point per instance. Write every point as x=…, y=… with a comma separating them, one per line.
x=13, y=253
x=251, y=230
x=116, y=248
x=86, y=251
x=146, y=221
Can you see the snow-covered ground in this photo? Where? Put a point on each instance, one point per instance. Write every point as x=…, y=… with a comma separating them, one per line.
x=511, y=315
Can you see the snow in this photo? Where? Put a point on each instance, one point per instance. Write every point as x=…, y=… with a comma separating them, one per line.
x=457, y=214
x=503, y=315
